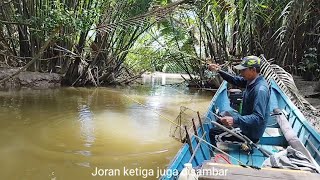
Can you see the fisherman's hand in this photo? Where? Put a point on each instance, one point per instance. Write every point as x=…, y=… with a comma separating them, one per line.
x=214, y=67
x=227, y=121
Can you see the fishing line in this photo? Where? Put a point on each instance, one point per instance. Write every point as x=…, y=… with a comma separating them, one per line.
x=165, y=118
x=183, y=93
x=136, y=101
x=223, y=152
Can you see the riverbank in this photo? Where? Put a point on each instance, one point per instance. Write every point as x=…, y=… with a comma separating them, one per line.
x=307, y=88
x=26, y=79
x=36, y=80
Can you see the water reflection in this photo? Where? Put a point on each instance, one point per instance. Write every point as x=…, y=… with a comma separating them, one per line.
x=162, y=79
x=86, y=124
x=69, y=131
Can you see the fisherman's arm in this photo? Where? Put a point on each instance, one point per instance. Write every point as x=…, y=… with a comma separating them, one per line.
x=259, y=110
x=235, y=80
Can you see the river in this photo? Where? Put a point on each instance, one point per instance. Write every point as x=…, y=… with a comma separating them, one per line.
x=68, y=133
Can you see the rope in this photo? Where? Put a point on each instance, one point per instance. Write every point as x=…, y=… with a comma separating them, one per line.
x=216, y=157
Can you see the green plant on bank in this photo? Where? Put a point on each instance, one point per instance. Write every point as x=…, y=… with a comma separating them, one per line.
x=99, y=40
x=310, y=65
x=228, y=30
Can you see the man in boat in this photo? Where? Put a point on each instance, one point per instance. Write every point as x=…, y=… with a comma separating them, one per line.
x=255, y=103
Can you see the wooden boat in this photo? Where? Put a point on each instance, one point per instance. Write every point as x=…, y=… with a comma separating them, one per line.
x=200, y=153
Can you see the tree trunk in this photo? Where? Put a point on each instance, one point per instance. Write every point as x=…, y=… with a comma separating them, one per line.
x=24, y=43
x=317, y=88
x=72, y=75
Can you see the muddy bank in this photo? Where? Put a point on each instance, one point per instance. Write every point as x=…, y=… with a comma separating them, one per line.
x=34, y=80
x=307, y=88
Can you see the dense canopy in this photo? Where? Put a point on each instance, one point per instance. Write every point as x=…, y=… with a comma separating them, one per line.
x=102, y=42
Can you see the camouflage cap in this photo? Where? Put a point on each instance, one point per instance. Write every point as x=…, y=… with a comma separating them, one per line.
x=249, y=61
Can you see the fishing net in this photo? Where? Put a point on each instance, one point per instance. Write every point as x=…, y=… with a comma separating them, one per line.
x=185, y=121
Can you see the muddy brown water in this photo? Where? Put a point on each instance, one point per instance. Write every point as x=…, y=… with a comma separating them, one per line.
x=69, y=133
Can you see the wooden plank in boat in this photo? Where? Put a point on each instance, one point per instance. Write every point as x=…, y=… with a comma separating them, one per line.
x=273, y=136
x=232, y=149
x=226, y=171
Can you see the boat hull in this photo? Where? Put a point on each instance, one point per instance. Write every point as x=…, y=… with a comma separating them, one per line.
x=197, y=152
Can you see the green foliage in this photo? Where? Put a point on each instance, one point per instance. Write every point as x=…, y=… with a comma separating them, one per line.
x=137, y=7
x=310, y=62
x=178, y=43
x=140, y=59
x=162, y=2
x=57, y=15
x=146, y=55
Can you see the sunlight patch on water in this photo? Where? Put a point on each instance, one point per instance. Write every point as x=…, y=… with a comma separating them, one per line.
x=68, y=131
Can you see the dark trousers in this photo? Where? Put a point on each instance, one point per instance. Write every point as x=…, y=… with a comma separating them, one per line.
x=217, y=131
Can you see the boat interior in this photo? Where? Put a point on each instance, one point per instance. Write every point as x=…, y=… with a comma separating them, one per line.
x=272, y=140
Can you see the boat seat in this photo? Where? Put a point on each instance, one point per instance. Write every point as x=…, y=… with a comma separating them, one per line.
x=272, y=132
x=254, y=159
x=273, y=136
x=271, y=141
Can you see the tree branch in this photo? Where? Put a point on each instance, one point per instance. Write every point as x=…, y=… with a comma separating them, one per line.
x=37, y=57
x=17, y=23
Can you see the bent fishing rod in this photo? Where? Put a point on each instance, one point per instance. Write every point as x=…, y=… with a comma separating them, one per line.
x=240, y=136
x=209, y=144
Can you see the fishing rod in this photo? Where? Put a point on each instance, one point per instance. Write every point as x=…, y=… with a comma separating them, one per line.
x=218, y=149
x=209, y=144
x=240, y=136
x=165, y=118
